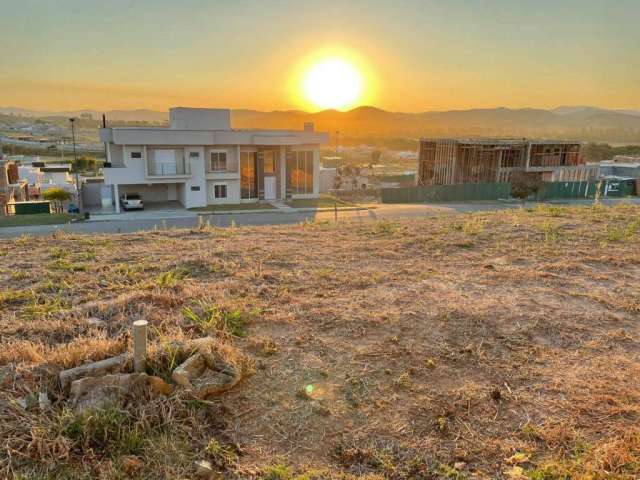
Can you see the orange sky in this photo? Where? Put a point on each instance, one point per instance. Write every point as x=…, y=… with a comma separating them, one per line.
x=415, y=55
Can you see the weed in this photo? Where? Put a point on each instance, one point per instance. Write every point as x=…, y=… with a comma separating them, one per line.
x=404, y=380
x=87, y=256
x=551, y=231
x=268, y=348
x=473, y=227
x=109, y=429
x=41, y=306
x=209, y=318
x=171, y=278
x=221, y=455
x=278, y=471
x=549, y=210
x=430, y=363
x=386, y=227
x=19, y=275
x=447, y=471
x=616, y=233
x=56, y=253
x=16, y=297
x=67, y=266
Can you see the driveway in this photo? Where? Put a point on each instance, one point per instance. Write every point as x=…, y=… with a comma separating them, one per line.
x=157, y=219
x=152, y=211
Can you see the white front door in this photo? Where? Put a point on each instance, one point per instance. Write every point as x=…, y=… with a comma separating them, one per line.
x=270, y=187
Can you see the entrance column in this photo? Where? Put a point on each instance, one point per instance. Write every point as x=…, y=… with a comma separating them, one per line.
x=116, y=196
x=282, y=174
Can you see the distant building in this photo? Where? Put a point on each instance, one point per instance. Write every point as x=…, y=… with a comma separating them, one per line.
x=12, y=189
x=619, y=168
x=200, y=160
x=448, y=161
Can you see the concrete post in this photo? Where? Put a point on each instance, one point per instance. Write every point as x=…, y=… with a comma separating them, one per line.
x=116, y=194
x=140, y=346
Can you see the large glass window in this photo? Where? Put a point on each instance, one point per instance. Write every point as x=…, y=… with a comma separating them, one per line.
x=248, y=186
x=301, y=173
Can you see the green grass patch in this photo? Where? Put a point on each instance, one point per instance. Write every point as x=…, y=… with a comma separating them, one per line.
x=36, y=219
x=209, y=318
x=325, y=201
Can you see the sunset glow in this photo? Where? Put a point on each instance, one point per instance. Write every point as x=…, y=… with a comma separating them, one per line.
x=333, y=83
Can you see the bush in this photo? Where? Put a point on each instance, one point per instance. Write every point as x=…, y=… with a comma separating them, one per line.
x=57, y=196
x=525, y=184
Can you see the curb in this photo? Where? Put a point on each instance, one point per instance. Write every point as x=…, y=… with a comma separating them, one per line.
x=285, y=211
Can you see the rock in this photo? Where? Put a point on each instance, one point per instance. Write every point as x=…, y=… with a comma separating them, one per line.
x=204, y=470
x=96, y=322
x=92, y=393
x=28, y=402
x=43, y=401
x=95, y=369
x=205, y=375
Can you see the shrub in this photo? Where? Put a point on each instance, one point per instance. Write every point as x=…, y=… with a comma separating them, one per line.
x=525, y=184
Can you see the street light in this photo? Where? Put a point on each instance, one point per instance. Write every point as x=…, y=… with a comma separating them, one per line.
x=75, y=164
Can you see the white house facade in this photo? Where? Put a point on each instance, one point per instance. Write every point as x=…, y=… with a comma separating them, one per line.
x=200, y=160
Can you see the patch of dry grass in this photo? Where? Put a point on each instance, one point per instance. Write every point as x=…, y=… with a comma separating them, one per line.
x=457, y=347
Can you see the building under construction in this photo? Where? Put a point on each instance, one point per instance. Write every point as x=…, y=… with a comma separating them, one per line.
x=447, y=161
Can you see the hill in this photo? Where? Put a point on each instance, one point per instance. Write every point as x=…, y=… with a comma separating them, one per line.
x=581, y=123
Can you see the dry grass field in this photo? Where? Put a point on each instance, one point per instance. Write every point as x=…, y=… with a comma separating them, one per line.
x=493, y=345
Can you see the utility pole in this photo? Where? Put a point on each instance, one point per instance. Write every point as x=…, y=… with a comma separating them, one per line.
x=75, y=163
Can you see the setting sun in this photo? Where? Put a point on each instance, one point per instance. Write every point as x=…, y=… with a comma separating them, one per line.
x=333, y=83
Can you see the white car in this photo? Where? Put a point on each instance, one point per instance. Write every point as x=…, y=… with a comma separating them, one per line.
x=131, y=201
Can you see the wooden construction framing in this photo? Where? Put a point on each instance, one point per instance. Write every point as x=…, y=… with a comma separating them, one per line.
x=449, y=162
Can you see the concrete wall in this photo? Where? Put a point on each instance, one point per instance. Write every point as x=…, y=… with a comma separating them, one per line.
x=195, y=194
x=92, y=194
x=233, y=192
x=327, y=179
x=200, y=118
x=167, y=136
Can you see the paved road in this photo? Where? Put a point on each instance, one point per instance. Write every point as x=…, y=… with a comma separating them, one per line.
x=186, y=220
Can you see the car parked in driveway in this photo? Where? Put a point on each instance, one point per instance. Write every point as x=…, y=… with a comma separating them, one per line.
x=131, y=201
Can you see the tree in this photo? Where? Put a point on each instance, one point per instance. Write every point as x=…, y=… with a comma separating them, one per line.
x=525, y=184
x=375, y=156
x=57, y=196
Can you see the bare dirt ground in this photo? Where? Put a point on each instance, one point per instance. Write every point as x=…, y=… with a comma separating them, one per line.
x=488, y=345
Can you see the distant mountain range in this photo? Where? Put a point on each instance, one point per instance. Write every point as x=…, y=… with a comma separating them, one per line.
x=581, y=122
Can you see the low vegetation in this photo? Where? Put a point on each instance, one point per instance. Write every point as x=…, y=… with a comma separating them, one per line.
x=35, y=219
x=491, y=345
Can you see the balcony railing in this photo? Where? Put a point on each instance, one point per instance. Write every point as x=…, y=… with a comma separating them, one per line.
x=180, y=167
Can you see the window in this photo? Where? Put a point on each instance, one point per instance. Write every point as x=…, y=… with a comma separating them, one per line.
x=218, y=161
x=136, y=154
x=269, y=163
x=300, y=169
x=220, y=191
x=248, y=178
x=194, y=154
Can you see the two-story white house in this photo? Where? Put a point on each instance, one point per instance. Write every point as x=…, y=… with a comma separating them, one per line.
x=200, y=160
